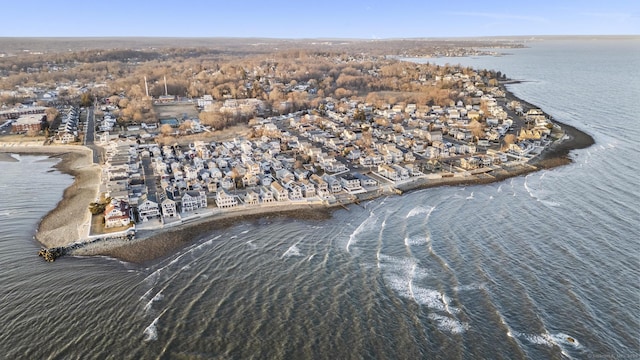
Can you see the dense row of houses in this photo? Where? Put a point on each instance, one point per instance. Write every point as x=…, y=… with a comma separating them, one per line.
x=124, y=182
x=67, y=131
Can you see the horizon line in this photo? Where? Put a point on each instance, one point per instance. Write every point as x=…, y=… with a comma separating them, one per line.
x=325, y=38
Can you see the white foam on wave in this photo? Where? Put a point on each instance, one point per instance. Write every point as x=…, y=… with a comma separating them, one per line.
x=157, y=297
x=434, y=299
x=560, y=340
x=416, y=240
x=469, y=287
x=550, y=203
x=526, y=187
x=151, y=331
x=449, y=324
x=500, y=188
x=368, y=222
x=244, y=232
x=400, y=274
x=251, y=245
x=292, y=251
x=144, y=297
x=418, y=210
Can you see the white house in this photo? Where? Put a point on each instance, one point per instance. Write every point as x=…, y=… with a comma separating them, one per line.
x=279, y=193
x=224, y=200
x=147, y=207
x=117, y=213
x=192, y=200
x=168, y=208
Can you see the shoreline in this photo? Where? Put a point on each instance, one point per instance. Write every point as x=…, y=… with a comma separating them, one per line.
x=151, y=245
x=63, y=224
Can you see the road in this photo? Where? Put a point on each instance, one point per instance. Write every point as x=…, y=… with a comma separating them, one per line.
x=90, y=136
x=149, y=177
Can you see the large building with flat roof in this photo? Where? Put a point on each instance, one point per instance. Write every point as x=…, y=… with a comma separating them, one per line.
x=28, y=122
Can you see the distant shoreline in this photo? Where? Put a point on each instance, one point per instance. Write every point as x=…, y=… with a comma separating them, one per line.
x=64, y=224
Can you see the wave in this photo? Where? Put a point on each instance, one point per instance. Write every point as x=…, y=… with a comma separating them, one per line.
x=158, y=271
x=292, y=251
x=416, y=240
x=151, y=331
x=363, y=226
x=469, y=287
x=157, y=297
x=449, y=324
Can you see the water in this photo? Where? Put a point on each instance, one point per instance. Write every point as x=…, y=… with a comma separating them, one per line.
x=507, y=270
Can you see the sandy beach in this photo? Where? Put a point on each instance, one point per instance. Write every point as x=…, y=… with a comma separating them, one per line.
x=7, y=157
x=154, y=244
x=66, y=223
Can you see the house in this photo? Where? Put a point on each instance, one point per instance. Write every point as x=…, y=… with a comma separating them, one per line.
x=117, y=213
x=350, y=183
x=266, y=195
x=295, y=192
x=251, y=198
x=434, y=136
x=279, y=193
x=205, y=100
x=168, y=207
x=224, y=200
x=334, y=184
x=389, y=172
x=192, y=200
x=308, y=189
x=66, y=137
x=148, y=207
x=470, y=163
x=320, y=184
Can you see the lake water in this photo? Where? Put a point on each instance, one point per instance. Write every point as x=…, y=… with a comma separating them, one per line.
x=516, y=269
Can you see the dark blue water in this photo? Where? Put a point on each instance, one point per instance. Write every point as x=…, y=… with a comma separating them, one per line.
x=516, y=269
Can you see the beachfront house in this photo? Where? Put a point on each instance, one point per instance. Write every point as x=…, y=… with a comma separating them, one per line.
x=147, y=207
x=266, y=195
x=279, y=193
x=117, y=213
x=251, y=198
x=224, y=200
x=168, y=208
x=350, y=183
x=192, y=200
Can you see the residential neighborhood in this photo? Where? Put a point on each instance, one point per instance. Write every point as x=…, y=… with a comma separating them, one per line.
x=167, y=160
x=308, y=157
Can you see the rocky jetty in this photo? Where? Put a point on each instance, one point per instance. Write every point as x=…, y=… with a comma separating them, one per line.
x=51, y=254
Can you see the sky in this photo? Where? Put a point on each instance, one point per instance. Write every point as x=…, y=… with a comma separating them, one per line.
x=318, y=19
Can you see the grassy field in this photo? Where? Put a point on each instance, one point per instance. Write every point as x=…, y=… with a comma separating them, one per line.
x=175, y=111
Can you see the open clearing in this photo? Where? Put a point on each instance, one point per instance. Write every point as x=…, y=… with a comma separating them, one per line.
x=178, y=111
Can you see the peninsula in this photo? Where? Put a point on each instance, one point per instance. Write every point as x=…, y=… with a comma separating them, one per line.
x=158, y=159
